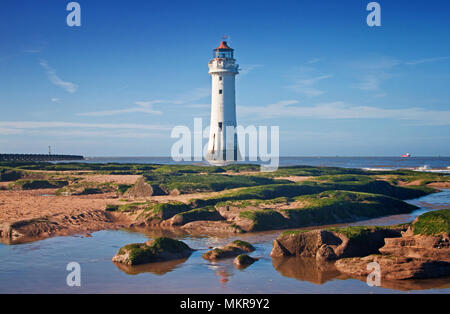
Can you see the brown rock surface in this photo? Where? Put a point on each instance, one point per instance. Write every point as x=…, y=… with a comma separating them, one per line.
x=140, y=189
x=230, y=250
x=395, y=267
x=324, y=245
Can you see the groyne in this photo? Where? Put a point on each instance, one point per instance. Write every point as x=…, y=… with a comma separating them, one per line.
x=38, y=157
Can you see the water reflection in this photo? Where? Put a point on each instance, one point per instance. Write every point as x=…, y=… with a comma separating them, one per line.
x=306, y=269
x=413, y=284
x=223, y=270
x=158, y=268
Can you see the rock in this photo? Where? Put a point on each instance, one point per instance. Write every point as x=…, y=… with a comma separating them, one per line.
x=232, y=249
x=143, y=189
x=423, y=251
x=394, y=267
x=418, y=246
x=10, y=175
x=328, y=245
x=199, y=214
x=243, y=260
x=157, y=250
x=40, y=184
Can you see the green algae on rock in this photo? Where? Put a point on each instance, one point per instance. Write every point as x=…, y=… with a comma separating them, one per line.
x=232, y=249
x=243, y=261
x=157, y=250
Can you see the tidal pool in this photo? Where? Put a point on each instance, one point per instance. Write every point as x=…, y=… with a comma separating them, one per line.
x=40, y=267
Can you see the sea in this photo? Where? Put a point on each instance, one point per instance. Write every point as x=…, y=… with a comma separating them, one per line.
x=441, y=164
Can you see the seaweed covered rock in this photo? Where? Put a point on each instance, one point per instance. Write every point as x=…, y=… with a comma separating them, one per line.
x=198, y=214
x=243, y=260
x=232, y=249
x=158, y=250
x=10, y=175
x=334, y=243
x=39, y=184
x=423, y=251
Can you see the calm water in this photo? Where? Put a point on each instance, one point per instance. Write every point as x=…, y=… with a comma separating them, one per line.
x=346, y=162
x=41, y=266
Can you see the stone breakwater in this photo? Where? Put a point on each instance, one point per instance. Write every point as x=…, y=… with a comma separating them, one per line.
x=38, y=157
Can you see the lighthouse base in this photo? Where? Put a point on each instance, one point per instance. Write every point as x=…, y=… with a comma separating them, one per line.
x=223, y=157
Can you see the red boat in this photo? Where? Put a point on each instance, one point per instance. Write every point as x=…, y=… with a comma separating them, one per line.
x=407, y=155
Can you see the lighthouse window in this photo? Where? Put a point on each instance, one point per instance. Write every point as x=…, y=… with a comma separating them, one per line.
x=220, y=91
x=220, y=78
x=220, y=125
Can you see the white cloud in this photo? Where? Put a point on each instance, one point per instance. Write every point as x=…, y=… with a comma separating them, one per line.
x=341, y=110
x=56, y=80
x=142, y=107
x=61, y=128
x=62, y=124
x=370, y=82
x=315, y=60
x=245, y=69
x=426, y=60
x=192, y=95
x=10, y=131
x=306, y=87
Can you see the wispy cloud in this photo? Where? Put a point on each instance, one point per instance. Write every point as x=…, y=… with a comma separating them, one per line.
x=62, y=128
x=192, y=95
x=147, y=106
x=56, y=80
x=341, y=110
x=427, y=60
x=373, y=72
x=314, y=60
x=371, y=82
x=306, y=86
x=142, y=107
x=247, y=68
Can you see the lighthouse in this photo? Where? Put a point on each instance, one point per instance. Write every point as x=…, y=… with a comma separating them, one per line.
x=222, y=145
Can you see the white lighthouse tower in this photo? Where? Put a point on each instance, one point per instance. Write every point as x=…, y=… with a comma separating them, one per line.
x=222, y=144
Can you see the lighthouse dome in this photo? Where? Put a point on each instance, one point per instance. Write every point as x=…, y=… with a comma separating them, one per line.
x=223, y=51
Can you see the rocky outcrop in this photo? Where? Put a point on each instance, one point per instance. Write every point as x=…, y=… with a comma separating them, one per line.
x=232, y=249
x=423, y=251
x=58, y=224
x=395, y=267
x=243, y=261
x=142, y=189
x=10, y=175
x=158, y=250
x=418, y=246
x=39, y=184
x=200, y=214
x=328, y=245
x=409, y=257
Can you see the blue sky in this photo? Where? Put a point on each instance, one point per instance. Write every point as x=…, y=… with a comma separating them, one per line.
x=118, y=84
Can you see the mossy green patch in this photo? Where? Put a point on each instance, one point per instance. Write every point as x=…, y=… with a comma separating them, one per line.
x=433, y=223
x=265, y=219
x=25, y=184
x=341, y=206
x=141, y=253
x=244, y=245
